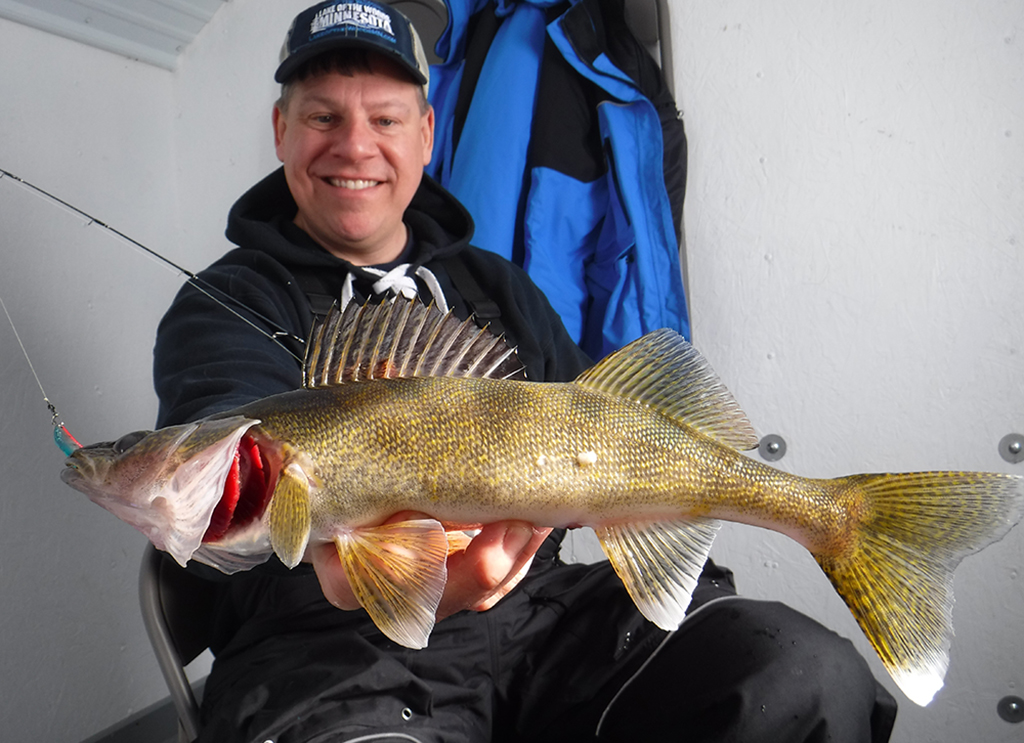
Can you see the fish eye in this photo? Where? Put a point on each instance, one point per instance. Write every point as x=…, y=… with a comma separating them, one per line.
x=129, y=440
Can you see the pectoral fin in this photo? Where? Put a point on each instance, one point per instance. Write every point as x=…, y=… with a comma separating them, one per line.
x=398, y=573
x=290, y=515
x=659, y=563
x=458, y=541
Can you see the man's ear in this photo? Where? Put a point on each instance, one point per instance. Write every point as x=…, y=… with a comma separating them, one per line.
x=427, y=125
x=279, y=127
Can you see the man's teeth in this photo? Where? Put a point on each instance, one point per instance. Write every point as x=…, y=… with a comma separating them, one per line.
x=354, y=185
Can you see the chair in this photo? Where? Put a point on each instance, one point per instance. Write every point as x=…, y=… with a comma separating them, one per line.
x=176, y=606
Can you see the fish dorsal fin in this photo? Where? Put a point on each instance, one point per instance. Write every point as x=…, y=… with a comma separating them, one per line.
x=665, y=372
x=404, y=338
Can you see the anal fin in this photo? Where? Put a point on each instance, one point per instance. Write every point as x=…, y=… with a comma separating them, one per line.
x=398, y=573
x=290, y=518
x=659, y=563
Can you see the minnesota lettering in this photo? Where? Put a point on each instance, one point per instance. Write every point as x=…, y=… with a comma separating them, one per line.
x=350, y=13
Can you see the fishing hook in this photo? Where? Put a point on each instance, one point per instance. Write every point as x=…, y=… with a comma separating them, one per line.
x=61, y=435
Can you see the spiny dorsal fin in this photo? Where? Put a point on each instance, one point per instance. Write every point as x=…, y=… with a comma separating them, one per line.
x=404, y=338
x=665, y=372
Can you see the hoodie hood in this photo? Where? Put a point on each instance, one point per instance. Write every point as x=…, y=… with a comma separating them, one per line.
x=263, y=216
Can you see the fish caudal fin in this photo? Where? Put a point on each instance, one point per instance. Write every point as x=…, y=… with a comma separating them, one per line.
x=397, y=572
x=659, y=563
x=290, y=517
x=897, y=577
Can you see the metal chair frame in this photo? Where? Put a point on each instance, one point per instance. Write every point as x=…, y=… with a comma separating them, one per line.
x=175, y=608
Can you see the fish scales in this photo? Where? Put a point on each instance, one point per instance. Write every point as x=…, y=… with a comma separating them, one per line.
x=453, y=449
x=646, y=447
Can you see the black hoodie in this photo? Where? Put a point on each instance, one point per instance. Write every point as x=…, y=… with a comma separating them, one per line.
x=288, y=664
x=208, y=359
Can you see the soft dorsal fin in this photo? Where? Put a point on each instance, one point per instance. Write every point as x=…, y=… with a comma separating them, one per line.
x=404, y=338
x=665, y=372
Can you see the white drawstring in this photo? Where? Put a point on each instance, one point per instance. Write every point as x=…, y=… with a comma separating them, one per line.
x=435, y=287
x=398, y=281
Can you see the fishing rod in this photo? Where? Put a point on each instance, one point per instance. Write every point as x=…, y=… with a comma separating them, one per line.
x=204, y=287
x=61, y=436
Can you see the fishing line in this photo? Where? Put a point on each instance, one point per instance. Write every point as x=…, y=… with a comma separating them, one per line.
x=199, y=284
x=61, y=436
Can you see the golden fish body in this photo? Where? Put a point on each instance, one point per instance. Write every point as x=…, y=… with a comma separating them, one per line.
x=405, y=410
x=470, y=451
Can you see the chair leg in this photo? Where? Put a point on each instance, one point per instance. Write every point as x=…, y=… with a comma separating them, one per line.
x=163, y=647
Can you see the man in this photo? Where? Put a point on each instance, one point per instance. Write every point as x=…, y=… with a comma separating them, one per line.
x=549, y=656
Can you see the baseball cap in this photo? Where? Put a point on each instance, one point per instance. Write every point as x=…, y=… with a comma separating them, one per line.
x=376, y=27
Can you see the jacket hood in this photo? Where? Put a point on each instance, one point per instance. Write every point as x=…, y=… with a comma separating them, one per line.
x=440, y=225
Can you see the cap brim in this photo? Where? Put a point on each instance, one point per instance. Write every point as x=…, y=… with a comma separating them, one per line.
x=288, y=68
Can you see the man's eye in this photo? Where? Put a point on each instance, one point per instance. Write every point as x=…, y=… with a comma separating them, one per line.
x=386, y=122
x=323, y=118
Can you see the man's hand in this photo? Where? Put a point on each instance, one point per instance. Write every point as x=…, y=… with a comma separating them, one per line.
x=478, y=577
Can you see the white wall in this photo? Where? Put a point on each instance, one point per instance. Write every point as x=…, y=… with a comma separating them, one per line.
x=855, y=223
x=224, y=92
x=95, y=129
x=853, y=220
x=160, y=156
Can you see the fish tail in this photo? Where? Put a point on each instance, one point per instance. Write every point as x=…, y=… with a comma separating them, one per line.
x=896, y=574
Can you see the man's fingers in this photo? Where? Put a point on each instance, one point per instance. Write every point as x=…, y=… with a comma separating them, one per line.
x=519, y=569
x=330, y=572
x=501, y=591
x=492, y=564
x=333, y=580
x=479, y=575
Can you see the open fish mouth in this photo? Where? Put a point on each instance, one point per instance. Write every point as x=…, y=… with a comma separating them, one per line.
x=167, y=483
x=79, y=470
x=70, y=474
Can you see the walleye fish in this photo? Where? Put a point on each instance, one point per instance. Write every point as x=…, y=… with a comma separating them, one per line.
x=404, y=408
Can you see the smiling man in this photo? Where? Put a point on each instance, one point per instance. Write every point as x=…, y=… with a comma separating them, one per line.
x=350, y=216
x=354, y=146
x=526, y=648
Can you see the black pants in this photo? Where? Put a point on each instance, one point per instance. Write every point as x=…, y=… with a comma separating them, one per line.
x=781, y=677
x=564, y=657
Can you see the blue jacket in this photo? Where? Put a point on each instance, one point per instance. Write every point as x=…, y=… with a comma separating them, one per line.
x=558, y=153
